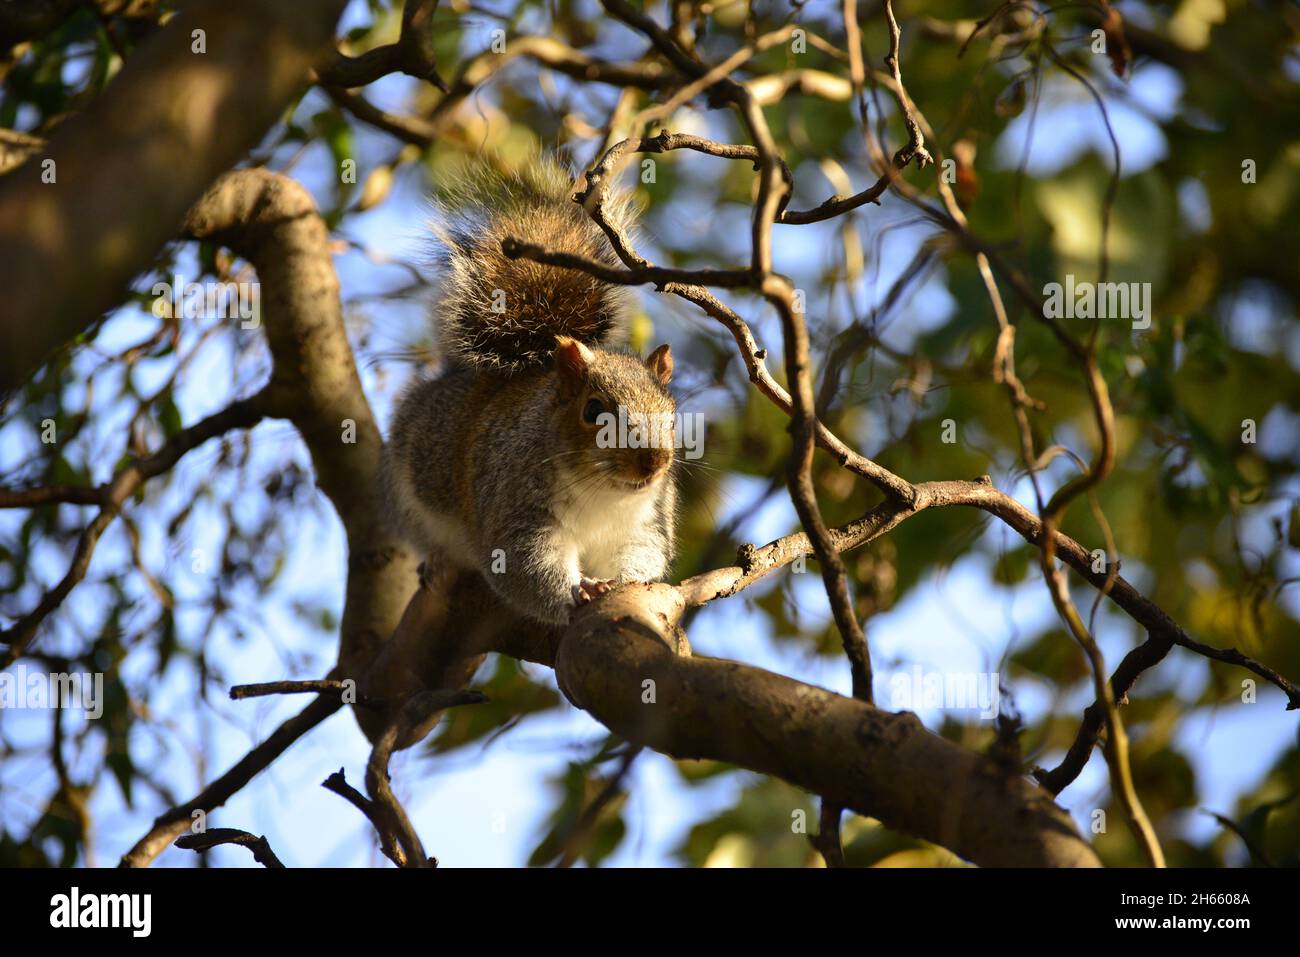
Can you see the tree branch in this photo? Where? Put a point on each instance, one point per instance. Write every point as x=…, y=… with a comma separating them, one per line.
x=390, y=817
x=338, y=783
x=272, y=221
x=174, y=822
x=628, y=643
x=124, y=172
x=412, y=54
x=259, y=846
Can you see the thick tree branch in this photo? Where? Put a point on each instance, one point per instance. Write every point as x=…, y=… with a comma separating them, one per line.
x=120, y=176
x=628, y=643
x=272, y=221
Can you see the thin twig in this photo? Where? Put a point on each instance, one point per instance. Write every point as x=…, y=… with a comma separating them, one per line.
x=206, y=840
x=391, y=819
x=345, y=690
x=827, y=839
x=338, y=783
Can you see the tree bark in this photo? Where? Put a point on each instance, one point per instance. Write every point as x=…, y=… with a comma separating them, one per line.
x=126, y=171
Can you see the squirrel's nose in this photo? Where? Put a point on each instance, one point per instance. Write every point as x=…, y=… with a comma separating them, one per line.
x=650, y=462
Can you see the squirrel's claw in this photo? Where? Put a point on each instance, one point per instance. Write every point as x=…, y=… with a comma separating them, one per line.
x=589, y=589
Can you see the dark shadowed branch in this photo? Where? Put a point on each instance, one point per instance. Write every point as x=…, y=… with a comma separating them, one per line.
x=259, y=846
x=390, y=817
x=176, y=821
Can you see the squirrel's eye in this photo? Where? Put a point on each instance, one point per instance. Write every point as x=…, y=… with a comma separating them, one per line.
x=592, y=411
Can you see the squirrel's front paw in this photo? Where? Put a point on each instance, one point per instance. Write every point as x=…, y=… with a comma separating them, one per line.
x=589, y=589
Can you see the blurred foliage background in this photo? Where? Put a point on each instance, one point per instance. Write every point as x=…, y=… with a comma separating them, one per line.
x=230, y=567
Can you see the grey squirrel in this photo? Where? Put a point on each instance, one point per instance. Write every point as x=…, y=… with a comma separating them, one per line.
x=495, y=464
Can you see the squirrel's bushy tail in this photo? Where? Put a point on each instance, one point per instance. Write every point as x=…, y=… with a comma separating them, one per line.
x=504, y=314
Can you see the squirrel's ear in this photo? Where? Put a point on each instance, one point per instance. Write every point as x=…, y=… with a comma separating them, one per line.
x=660, y=362
x=571, y=361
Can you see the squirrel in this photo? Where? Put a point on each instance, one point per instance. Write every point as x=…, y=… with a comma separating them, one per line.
x=503, y=462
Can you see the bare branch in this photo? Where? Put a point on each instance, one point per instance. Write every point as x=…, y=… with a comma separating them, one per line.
x=338, y=783
x=390, y=818
x=327, y=686
x=51, y=495
x=827, y=839
x=475, y=72
x=409, y=129
x=412, y=54
x=175, y=822
x=205, y=840
x=915, y=147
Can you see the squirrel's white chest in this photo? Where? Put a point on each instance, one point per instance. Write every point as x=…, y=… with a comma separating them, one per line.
x=600, y=525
